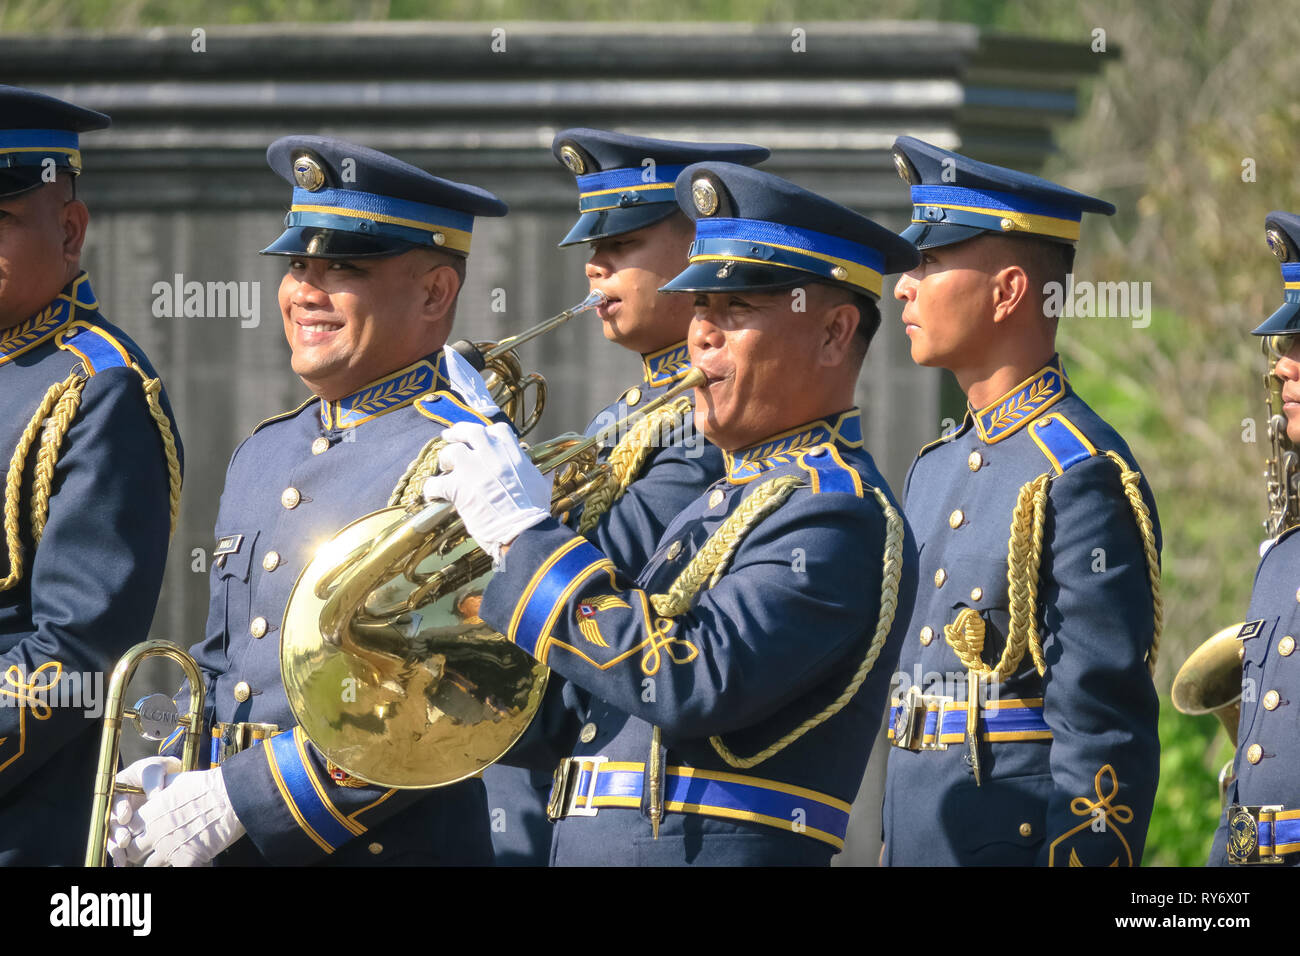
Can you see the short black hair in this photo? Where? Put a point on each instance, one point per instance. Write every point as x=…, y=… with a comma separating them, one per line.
x=868, y=312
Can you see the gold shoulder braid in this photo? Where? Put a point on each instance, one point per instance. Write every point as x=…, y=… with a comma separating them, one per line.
x=712, y=560
x=1024, y=555
x=410, y=487
x=628, y=457
x=51, y=421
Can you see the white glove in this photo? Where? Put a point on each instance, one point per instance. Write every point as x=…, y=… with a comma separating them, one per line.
x=150, y=775
x=468, y=383
x=189, y=821
x=495, y=488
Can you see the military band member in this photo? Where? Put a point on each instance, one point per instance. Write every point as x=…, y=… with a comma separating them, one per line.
x=736, y=680
x=91, y=491
x=639, y=239
x=1261, y=822
x=376, y=259
x=1025, y=729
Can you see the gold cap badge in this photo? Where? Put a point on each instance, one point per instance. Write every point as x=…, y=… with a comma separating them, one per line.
x=1277, y=244
x=308, y=173
x=705, y=196
x=906, y=171
x=573, y=159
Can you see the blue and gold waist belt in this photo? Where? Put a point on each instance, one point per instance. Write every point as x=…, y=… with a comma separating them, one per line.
x=932, y=722
x=1262, y=834
x=584, y=785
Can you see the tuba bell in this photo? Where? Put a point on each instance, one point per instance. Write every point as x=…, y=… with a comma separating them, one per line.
x=504, y=375
x=386, y=664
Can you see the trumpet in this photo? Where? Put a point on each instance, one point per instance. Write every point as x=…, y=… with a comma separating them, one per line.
x=386, y=664
x=503, y=373
x=152, y=726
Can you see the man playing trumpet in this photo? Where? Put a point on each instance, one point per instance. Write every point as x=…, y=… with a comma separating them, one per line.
x=638, y=239
x=737, y=680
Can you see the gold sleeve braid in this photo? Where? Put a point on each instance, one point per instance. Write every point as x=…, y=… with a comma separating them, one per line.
x=51, y=422
x=627, y=459
x=711, y=561
x=1024, y=555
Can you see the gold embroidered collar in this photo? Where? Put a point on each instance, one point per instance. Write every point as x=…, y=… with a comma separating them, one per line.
x=1022, y=404
x=44, y=324
x=667, y=365
x=392, y=391
x=844, y=430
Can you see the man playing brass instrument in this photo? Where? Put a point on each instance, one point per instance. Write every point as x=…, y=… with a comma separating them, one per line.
x=639, y=239
x=1261, y=822
x=91, y=491
x=738, y=679
x=376, y=261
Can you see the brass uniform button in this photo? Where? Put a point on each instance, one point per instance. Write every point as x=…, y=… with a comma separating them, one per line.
x=588, y=733
x=290, y=498
x=674, y=549
x=242, y=691
x=1241, y=652
x=955, y=519
x=376, y=848
x=1026, y=830
x=633, y=396
x=1255, y=754
x=1271, y=700
x=716, y=497
x=939, y=577
x=1297, y=594
x=257, y=627
x=974, y=461
x=976, y=594
x=1284, y=646
x=927, y=635
x=271, y=561
x=320, y=445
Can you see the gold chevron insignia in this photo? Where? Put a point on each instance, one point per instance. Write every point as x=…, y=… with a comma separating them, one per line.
x=586, y=616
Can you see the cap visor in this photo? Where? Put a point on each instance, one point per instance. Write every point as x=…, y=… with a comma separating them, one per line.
x=703, y=277
x=15, y=181
x=1282, y=322
x=335, y=244
x=614, y=222
x=926, y=235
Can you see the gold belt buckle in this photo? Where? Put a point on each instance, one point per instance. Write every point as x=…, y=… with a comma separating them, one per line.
x=1243, y=833
x=236, y=737
x=563, y=801
x=909, y=725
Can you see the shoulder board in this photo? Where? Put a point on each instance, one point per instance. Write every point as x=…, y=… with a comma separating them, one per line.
x=1062, y=443
x=447, y=409
x=280, y=417
x=97, y=349
x=829, y=472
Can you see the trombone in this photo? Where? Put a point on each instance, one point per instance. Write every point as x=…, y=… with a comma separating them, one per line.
x=385, y=662
x=111, y=738
x=503, y=373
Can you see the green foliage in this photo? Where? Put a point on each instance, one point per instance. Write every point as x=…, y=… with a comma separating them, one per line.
x=1192, y=749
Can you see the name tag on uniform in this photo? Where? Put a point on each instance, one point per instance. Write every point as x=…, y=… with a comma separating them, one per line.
x=1250, y=629
x=230, y=544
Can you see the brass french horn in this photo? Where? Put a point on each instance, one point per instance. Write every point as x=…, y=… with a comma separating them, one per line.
x=1209, y=682
x=504, y=375
x=386, y=664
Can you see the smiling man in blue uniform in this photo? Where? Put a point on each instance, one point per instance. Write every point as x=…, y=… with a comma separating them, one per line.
x=1261, y=819
x=1024, y=730
x=737, y=680
x=375, y=264
x=639, y=239
x=92, y=487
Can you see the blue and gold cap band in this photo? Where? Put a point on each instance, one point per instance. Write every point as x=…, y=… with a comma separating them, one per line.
x=1282, y=231
x=352, y=210
x=774, y=244
x=619, y=188
x=994, y=211
x=32, y=147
